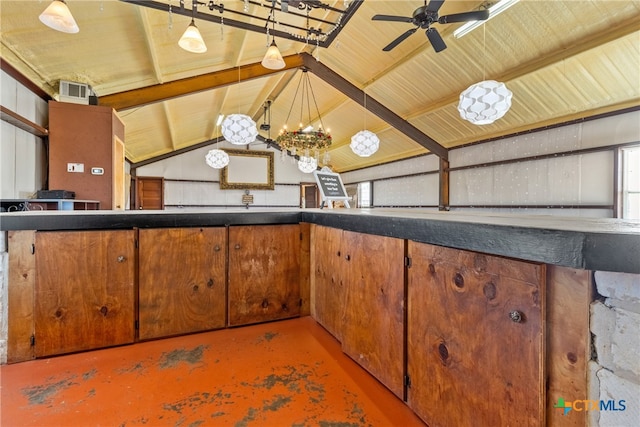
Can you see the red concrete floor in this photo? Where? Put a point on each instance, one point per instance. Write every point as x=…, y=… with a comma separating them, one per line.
x=286, y=373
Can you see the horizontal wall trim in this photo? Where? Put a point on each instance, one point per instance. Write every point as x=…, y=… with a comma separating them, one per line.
x=206, y=181
x=390, y=178
x=231, y=206
x=549, y=127
x=611, y=148
x=606, y=207
x=406, y=206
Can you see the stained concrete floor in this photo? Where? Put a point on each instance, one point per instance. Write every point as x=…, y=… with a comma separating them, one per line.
x=286, y=373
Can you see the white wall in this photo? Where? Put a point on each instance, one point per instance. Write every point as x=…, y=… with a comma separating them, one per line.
x=22, y=155
x=190, y=182
x=580, y=179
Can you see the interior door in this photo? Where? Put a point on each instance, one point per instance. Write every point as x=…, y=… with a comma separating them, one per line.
x=119, y=190
x=149, y=193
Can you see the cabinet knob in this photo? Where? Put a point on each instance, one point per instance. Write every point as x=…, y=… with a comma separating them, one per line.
x=347, y=257
x=122, y=258
x=265, y=303
x=237, y=246
x=210, y=283
x=104, y=310
x=216, y=248
x=516, y=316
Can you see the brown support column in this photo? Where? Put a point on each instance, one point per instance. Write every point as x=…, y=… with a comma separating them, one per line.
x=443, y=204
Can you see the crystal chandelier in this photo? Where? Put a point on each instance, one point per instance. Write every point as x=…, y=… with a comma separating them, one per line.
x=305, y=141
x=485, y=102
x=217, y=158
x=239, y=129
x=307, y=164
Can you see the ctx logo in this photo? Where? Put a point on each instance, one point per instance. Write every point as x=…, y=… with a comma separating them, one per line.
x=590, y=405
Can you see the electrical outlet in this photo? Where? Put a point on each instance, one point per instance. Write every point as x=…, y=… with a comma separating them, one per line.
x=75, y=167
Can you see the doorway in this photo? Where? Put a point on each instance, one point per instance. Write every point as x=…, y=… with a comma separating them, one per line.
x=149, y=193
x=308, y=195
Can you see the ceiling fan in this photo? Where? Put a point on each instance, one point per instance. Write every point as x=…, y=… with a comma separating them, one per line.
x=426, y=15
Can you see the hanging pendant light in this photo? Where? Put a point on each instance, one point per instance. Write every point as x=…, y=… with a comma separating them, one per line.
x=239, y=129
x=273, y=58
x=191, y=40
x=217, y=158
x=485, y=102
x=58, y=16
x=364, y=143
x=307, y=164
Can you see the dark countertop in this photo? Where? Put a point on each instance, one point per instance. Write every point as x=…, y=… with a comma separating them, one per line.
x=584, y=243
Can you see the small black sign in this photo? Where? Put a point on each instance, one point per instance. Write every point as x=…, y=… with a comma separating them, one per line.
x=331, y=187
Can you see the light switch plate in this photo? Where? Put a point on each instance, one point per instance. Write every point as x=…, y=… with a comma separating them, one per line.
x=75, y=167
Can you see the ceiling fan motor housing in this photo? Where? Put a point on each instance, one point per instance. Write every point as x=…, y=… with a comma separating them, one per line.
x=423, y=18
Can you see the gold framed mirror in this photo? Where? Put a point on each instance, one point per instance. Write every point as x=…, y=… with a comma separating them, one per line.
x=248, y=170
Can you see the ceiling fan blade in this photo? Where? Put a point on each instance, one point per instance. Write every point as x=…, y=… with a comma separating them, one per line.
x=434, y=5
x=477, y=15
x=391, y=18
x=397, y=41
x=436, y=40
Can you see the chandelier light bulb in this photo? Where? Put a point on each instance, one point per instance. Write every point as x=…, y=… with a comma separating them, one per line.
x=239, y=129
x=217, y=159
x=485, y=102
x=364, y=143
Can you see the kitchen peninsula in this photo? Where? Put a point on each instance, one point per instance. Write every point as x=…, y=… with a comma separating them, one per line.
x=465, y=304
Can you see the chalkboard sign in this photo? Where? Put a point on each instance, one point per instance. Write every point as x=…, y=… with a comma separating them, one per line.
x=331, y=187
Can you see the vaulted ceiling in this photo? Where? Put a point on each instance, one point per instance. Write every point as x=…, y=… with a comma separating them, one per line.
x=563, y=61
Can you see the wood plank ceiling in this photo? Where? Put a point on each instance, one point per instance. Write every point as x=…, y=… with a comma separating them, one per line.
x=563, y=61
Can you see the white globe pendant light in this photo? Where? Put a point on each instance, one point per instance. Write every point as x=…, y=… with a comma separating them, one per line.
x=364, y=143
x=217, y=159
x=485, y=102
x=239, y=129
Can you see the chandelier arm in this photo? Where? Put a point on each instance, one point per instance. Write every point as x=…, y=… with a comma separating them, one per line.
x=316, y=105
x=295, y=96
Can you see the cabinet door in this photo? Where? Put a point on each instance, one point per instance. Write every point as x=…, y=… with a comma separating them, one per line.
x=181, y=280
x=475, y=338
x=264, y=273
x=373, y=328
x=84, y=291
x=328, y=281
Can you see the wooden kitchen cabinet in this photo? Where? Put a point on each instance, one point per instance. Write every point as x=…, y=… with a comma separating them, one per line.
x=475, y=350
x=84, y=290
x=359, y=297
x=264, y=273
x=181, y=280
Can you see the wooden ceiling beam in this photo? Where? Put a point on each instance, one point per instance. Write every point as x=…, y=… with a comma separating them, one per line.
x=177, y=88
x=357, y=95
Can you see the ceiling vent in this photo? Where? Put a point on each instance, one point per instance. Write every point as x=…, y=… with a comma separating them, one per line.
x=76, y=93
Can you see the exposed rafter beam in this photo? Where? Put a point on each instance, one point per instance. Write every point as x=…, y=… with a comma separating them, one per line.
x=162, y=92
x=357, y=95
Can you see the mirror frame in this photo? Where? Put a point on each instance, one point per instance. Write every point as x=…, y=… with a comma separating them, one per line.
x=256, y=157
